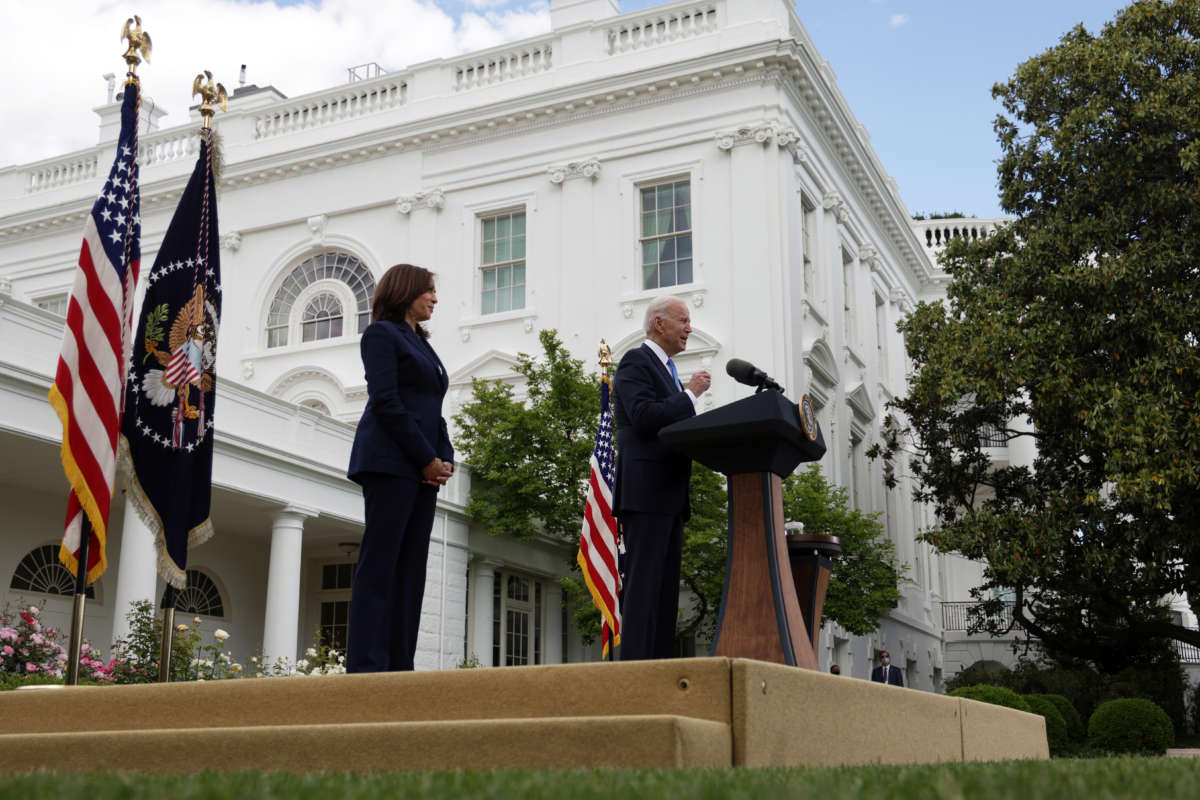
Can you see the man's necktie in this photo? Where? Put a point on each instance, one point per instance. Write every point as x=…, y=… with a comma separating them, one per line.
x=674, y=373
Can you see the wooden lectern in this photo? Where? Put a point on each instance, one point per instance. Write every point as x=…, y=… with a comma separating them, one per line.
x=755, y=442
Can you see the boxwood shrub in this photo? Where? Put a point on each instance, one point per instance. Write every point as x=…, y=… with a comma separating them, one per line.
x=996, y=695
x=1056, y=726
x=1076, y=732
x=1130, y=725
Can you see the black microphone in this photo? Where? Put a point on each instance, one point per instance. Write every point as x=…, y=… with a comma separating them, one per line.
x=745, y=372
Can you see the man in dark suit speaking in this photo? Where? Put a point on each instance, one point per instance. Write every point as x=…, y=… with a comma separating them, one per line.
x=651, y=496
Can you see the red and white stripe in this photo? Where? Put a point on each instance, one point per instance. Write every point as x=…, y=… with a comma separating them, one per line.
x=88, y=388
x=598, y=553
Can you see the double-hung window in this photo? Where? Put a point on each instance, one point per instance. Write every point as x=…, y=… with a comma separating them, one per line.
x=502, y=262
x=666, y=234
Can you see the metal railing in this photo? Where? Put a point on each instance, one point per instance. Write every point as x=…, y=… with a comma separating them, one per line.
x=956, y=616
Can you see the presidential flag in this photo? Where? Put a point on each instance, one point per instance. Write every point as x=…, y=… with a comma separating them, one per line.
x=88, y=383
x=598, y=541
x=167, y=433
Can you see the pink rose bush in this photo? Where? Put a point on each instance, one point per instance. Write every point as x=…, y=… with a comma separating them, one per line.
x=28, y=648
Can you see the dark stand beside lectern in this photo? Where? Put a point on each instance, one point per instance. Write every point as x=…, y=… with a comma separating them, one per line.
x=755, y=442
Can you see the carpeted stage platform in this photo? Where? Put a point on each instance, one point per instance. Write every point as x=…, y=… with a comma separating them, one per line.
x=700, y=712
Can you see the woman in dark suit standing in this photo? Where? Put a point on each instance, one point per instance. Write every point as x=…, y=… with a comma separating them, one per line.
x=401, y=455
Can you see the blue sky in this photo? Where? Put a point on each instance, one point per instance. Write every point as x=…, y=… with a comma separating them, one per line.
x=916, y=73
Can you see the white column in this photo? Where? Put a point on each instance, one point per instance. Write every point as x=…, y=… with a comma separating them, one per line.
x=136, y=569
x=552, y=648
x=282, y=623
x=482, y=586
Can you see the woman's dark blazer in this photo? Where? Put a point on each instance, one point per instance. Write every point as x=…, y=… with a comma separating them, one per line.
x=402, y=428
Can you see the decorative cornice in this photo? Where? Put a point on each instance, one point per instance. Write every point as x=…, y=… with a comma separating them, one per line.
x=429, y=198
x=760, y=133
x=231, y=241
x=868, y=255
x=317, y=226
x=834, y=202
x=587, y=168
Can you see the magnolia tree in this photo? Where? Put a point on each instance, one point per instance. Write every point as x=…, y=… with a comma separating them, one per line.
x=1075, y=328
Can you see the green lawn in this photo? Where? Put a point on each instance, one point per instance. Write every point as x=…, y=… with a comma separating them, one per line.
x=1094, y=779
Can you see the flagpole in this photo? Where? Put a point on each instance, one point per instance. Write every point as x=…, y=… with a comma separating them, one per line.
x=81, y=571
x=168, y=635
x=139, y=42
x=606, y=363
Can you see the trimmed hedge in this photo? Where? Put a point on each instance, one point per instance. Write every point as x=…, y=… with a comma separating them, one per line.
x=1056, y=726
x=1130, y=725
x=1076, y=732
x=996, y=695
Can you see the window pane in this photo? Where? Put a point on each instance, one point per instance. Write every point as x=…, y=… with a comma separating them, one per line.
x=518, y=297
x=667, y=250
x=649, y=253
x=666, y=273
x=503, y=227
x=489, y=253
x=489, y=229
x=503, y=277
x=502, y=249
x=518, y=272
x=489, y=302
x=683, y=246
x=335, y=326
x=518, y=224
x=489, y=279
x=650, y=276
x=665, y=196
x=683, y=218
x=664, y=221
x=683, y=193
x=503, y=300
x=683, y=270
x=648, y=226
x=518, y=247
x=648, y=199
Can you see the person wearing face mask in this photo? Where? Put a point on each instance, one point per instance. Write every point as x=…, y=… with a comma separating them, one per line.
x=401, y=455
x=885, y=672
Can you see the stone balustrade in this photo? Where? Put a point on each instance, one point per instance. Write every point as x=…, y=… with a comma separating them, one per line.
x=935, y=234
x=74, y=168
x=492, y=67
x=349, y=101
x=173, y=144
x=659, y=26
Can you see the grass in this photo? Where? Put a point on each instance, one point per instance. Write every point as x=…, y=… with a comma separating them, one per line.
x=1095, y=779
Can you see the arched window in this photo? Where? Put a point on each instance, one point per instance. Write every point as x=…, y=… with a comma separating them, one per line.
x=316, y=405
x=41, y=571
x=334, y=266
x=200, y=596
x=322, y=318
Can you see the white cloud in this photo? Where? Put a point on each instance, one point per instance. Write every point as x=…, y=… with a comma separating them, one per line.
x=898, y=20
x=298, y=49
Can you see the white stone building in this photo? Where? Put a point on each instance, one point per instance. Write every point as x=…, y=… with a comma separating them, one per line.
x=699, y=148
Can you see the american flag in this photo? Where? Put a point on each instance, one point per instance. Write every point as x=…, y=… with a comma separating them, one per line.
x=88, y=385
x=598, y=541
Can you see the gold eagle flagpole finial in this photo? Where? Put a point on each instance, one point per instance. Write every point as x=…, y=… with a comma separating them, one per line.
x=605, y=356
x=139, y=42
x=212, y=95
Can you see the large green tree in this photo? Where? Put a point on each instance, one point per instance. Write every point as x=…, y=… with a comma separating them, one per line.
x=865, y=579
x=529, y=461
x=1075, y=329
